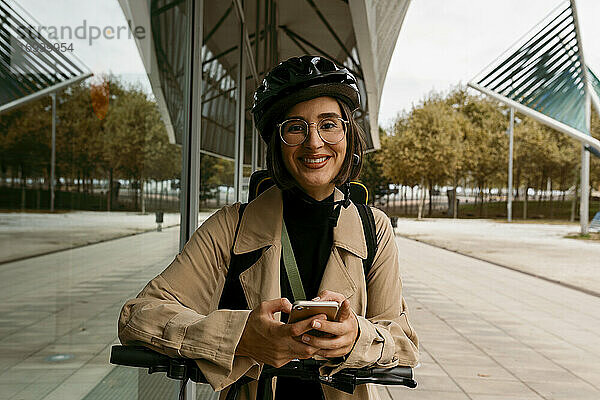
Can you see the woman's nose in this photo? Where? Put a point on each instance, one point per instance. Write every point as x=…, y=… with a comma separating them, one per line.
x=313, y=140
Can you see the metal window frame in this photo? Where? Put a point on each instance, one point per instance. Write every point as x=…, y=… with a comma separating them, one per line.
x=190, y=149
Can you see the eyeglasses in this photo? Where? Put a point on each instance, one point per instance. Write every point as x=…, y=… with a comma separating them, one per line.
x=294, y=132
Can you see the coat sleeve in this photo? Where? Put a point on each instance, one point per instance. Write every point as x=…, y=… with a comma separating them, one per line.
x=386, y=337
x=176, y=313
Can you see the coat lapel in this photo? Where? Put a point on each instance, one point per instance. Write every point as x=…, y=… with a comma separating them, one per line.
x=261, y=227
x=336, y=276
x=261, y=281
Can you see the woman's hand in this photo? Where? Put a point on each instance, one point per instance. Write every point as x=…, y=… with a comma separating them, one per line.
x=344, y=331
x=272, y=342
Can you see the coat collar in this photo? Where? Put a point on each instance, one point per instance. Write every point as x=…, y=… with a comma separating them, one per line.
x=261, y=225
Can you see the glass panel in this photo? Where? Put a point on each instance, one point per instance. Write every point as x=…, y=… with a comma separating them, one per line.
x=218, y=133
x=216, y=183
x=64, y=275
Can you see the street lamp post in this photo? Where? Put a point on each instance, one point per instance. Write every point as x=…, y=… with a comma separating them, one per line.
x=53, y=153
x=584, y=205
x=511, y=130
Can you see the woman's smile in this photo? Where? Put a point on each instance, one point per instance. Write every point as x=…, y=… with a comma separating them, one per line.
x=315, y=162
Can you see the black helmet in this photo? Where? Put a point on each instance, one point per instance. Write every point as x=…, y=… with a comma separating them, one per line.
x=296, y=80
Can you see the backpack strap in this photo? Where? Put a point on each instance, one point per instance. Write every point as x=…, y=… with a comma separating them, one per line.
x=368, y=223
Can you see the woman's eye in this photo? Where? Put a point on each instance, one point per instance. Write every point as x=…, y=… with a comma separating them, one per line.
x=328, y=125
x=297, y=128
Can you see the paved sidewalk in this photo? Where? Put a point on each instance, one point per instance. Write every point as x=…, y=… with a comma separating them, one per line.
x=24, y=235
x=536, y=248
x=489, y=333
x=66, y=304
x=28, y=234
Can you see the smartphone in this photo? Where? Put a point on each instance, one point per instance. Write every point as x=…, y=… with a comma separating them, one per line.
x=306, y=309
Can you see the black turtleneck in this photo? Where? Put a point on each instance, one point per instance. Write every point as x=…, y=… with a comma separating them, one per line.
x=311, y=235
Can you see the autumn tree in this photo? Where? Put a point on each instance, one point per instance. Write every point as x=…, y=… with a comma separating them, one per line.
x=372, y=175
x=26, y=135
x=135, y=137
x=426, y=147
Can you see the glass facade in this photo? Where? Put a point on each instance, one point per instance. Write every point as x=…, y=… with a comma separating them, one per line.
x=110, y=174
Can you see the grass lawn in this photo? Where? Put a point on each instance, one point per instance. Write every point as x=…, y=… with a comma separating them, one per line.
x=559, y=211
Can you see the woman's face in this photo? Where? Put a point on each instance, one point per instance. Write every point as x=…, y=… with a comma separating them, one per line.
x=314, y=164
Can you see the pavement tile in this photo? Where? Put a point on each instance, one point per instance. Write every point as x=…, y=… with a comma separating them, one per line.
x=84, y=339
x=437, y=383
x=418, y=394
x=70, y=391
x=55, y=375
x=492, y=386
x=91, y=373
x=489, y=372
x=516, y=360
x=35, y=391
x=424, y=355
x=466, y=359
x=538, y=375
x=592, y=377
x=42, y=375
x=567, y=390
x=383, y=393
x=7, y=390
x=478, y=396
x=429, y=368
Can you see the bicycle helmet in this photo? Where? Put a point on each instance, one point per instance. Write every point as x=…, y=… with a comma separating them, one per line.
x=296, y=80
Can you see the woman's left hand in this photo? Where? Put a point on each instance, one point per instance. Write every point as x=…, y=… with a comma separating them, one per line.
x=344, y=331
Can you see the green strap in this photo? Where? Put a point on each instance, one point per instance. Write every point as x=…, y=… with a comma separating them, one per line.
x=291, y=268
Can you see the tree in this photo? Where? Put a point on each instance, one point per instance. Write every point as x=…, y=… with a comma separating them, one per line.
x=372, y=175
x=134, y=136
x=486, y=144
x=26, y=136
x=426, y=148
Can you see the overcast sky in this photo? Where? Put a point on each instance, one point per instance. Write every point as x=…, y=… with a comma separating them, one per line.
x=119, y=56
x=442, y=42
x=446, y=42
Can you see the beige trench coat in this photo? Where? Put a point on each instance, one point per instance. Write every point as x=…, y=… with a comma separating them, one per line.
x=176, y=313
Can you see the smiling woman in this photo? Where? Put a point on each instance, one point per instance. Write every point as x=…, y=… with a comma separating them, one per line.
x=285, y=113
x=311, y=161
x=307, y=241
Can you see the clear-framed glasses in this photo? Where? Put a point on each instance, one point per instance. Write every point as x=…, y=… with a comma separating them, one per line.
x=294, y=132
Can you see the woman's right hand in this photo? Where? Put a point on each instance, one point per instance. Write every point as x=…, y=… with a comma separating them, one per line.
x=271, y=342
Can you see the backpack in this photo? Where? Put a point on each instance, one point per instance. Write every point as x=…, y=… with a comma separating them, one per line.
x=232, y=297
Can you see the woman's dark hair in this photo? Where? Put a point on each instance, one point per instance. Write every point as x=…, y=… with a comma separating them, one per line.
x=350, y=169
